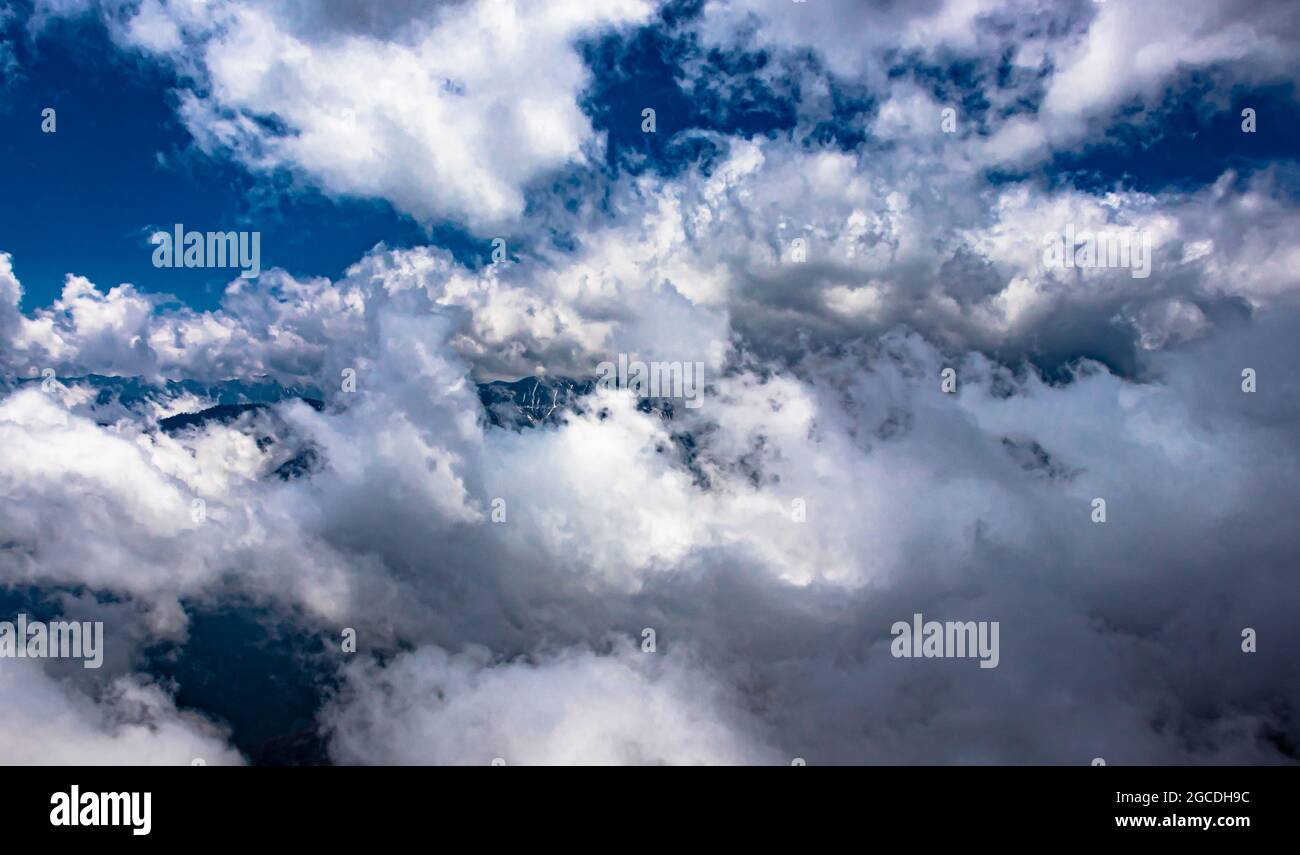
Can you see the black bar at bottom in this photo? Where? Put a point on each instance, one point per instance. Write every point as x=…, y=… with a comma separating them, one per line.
x=211, y=805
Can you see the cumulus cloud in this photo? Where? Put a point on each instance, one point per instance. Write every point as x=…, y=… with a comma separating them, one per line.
x=975, y=505
x=848, y=36
x=1055, y=74
x=1134, y=48
x=428, y=707
x=446, y=110
x=133, y=722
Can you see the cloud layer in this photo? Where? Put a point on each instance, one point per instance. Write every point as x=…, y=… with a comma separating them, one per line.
x=500, y=580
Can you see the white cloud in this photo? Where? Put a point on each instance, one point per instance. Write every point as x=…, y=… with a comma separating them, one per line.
x=571, y=708
x=1093, y=57
x=50, y=722
x=448, y=112
x=849, y=35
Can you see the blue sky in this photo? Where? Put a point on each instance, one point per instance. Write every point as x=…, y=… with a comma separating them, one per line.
x=120, y=164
